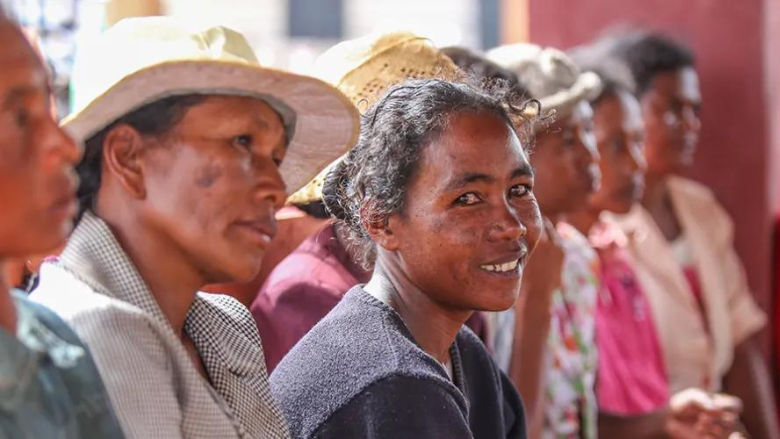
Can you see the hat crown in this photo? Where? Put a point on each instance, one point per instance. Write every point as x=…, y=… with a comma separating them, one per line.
x=134, y=44
x=364, y=68
x=542, y=71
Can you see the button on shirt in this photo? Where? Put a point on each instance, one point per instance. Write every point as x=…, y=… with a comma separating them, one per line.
x=49, y=385
x=153, y=383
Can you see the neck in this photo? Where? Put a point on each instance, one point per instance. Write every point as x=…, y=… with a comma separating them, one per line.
x=165, y=268
x=656, y=193
x=7, y=307
x=433, y=326
x=583, y=219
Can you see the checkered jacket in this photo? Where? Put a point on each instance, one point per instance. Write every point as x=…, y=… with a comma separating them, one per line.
x=153, y=384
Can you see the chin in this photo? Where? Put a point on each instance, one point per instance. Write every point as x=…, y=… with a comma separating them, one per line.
x=494, y=302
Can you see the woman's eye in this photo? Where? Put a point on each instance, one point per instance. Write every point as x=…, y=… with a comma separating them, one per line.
x=467, y=199
x=243, y=141
x=519, y=190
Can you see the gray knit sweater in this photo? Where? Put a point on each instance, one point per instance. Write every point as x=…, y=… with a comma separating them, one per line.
x=360, y=374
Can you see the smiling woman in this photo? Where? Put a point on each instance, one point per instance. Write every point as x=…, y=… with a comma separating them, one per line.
x=439, y=194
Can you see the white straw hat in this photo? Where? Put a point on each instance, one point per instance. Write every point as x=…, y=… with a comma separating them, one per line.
x=548, y=74
x=141, y=60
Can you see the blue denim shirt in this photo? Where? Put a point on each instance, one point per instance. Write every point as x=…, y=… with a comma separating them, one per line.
x=49, y=385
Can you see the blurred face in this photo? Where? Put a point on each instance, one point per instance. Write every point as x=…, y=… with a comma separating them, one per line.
x=37, y=181
x=671, y=113
x=470, y=218
x=619, y=132
x=565, y=161
x=214, y=185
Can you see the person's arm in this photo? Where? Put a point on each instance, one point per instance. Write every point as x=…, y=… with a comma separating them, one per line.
x=541, y=277
x=749, y=380
x=645, y=426
x=398, y=407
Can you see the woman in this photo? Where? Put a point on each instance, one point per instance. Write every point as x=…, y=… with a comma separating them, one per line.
x=188, y=147
x=561, y=395
x=632, y=386
x=308, y=283
x=49, y=385
x=452, y=236
x=683, y=244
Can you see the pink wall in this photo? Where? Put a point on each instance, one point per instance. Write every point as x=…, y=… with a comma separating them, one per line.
x=731, y=42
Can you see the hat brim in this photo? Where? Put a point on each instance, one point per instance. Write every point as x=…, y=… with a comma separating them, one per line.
x=326, y=122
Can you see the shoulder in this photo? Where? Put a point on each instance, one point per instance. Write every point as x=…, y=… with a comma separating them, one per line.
x=702, y=204
x=101, y=321
x=225, y=311
x=75, y=300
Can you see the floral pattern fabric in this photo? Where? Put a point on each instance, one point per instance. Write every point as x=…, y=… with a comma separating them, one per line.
x=570, y=406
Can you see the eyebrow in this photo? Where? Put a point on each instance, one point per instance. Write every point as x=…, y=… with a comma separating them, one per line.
x=20, y=92
x=472, y=177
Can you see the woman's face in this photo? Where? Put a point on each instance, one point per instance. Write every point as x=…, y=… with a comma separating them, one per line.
x=37, y=180
x=671, y=113
x=619, y=134
x=470, y=217
x=565, y=161
x=213, y=185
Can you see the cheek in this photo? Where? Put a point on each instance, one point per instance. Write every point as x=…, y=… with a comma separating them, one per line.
x=199, y=194
x=531, y=217
x=446, y=241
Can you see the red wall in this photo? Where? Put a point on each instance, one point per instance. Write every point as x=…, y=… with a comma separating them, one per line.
x=731, y=39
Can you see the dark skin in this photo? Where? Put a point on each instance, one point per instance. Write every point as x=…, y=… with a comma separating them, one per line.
x=566, y=172
x=670, y=109
x=619, y=130
x=468, y=208
x=196, y=205
x=37, y=180
x=565, y=160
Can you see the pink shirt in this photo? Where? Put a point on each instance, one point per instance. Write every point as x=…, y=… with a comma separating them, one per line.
x=631, y=376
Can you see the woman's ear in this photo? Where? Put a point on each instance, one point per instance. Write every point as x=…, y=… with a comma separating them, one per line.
x=122, y=149
x=379, y=227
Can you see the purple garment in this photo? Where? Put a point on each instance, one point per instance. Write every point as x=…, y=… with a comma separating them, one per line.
x=301, y=290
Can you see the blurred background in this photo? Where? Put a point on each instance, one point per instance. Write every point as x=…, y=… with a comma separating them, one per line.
x=737, y=45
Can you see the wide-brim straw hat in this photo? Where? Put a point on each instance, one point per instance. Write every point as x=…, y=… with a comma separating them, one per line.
x=549, y=75
x=141, y=60
x=365, y=68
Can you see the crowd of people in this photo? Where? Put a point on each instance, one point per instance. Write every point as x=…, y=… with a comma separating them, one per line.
x=420, y=242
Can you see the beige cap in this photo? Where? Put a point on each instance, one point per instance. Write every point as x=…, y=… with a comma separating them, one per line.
x=364, y=68
x=548, y=74
x=141, y=60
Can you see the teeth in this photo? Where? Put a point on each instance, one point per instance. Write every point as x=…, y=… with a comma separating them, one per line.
x=501, y=268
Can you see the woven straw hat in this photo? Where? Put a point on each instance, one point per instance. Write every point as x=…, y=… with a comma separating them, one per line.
x=548, y=74
x=141, y=60
x=364, y=68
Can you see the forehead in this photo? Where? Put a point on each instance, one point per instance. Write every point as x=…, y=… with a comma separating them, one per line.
x=224, y=108
x=21, y=69
x=681, y=84
x=580, y=114
x=474, y=142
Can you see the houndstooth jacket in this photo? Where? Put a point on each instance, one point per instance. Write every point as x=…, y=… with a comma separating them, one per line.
x=152, y=382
